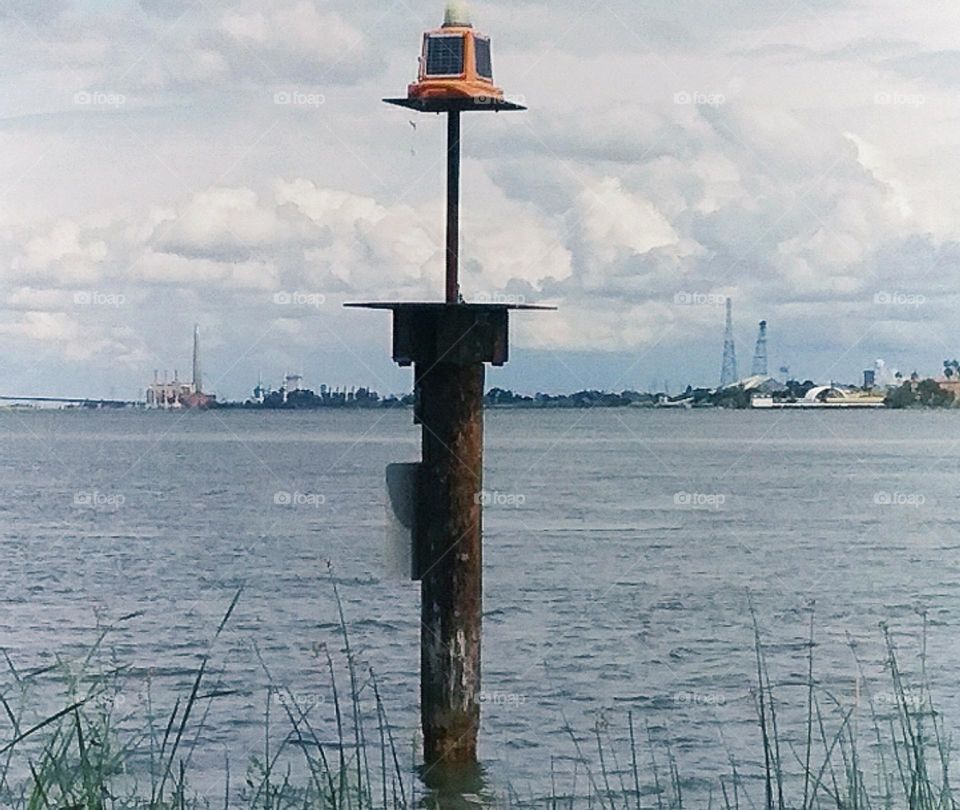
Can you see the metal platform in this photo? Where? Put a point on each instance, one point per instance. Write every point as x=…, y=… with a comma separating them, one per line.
x=456, y=334
x=442, y=105
x=435, y=305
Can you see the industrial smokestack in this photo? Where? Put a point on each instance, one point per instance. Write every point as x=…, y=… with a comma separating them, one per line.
x=728, y=371
x=197, y=380
x=760, y=353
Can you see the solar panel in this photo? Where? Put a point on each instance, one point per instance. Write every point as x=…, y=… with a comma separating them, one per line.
x=484, y=65
x=444, y=55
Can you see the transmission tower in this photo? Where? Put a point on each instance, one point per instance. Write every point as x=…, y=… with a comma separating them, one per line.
x=728, y=373
x=760, y=353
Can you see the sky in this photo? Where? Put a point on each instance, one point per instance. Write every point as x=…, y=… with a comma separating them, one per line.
x=230, y=164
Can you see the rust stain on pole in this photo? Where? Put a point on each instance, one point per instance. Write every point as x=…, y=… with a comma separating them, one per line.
x=450, y=409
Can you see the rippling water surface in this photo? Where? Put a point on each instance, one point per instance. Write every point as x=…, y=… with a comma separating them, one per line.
x=619, y=564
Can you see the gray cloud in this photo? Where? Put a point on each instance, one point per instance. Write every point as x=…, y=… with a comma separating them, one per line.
x=754, y=149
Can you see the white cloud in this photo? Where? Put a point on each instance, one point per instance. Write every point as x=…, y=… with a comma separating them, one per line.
x=608, y=197
x=614, y=220
x=65, y=252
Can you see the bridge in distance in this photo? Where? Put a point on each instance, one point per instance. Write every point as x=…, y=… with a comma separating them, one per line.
x=84, y=402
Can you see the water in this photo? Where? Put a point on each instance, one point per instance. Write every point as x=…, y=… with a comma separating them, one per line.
x=621, y=550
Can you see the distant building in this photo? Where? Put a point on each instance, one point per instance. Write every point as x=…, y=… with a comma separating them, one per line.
x=291, y=384
x=869, y=379
x=260, y=393
x=174, y=394
x=884, y=376
x=951, y=385
x=763, y=384
x=167, y=394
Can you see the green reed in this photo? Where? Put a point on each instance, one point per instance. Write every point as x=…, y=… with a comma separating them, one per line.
x=86, y=756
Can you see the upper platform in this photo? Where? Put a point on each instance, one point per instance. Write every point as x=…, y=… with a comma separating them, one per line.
x=464, y=104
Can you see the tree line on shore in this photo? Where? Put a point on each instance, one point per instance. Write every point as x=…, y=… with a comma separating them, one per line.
x=910, y=393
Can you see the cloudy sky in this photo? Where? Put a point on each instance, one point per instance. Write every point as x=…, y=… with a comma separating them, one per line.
x=166, y=162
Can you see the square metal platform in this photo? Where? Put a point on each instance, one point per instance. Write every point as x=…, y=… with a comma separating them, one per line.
x=461, y=334
x=442, y=105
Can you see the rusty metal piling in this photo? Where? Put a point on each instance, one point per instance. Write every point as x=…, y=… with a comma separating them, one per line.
x=449, y=537
x=448, y=343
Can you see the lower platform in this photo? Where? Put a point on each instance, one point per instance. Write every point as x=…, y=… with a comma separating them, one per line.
x=460, y=334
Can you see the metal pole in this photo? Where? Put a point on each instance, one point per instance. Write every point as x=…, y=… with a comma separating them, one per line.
x=453, y=206
x=450, y=405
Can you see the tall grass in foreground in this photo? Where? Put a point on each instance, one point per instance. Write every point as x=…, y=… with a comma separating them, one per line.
x=900, y=760
x=86, y=757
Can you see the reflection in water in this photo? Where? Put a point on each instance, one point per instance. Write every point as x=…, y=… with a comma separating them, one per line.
x=455, y=787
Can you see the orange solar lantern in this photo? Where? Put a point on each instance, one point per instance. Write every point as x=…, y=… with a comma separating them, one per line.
x=455, y=61
x=455, y=76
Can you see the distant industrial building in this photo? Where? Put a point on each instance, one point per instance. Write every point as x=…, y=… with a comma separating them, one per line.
x=292, y=383
x=175, y=394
